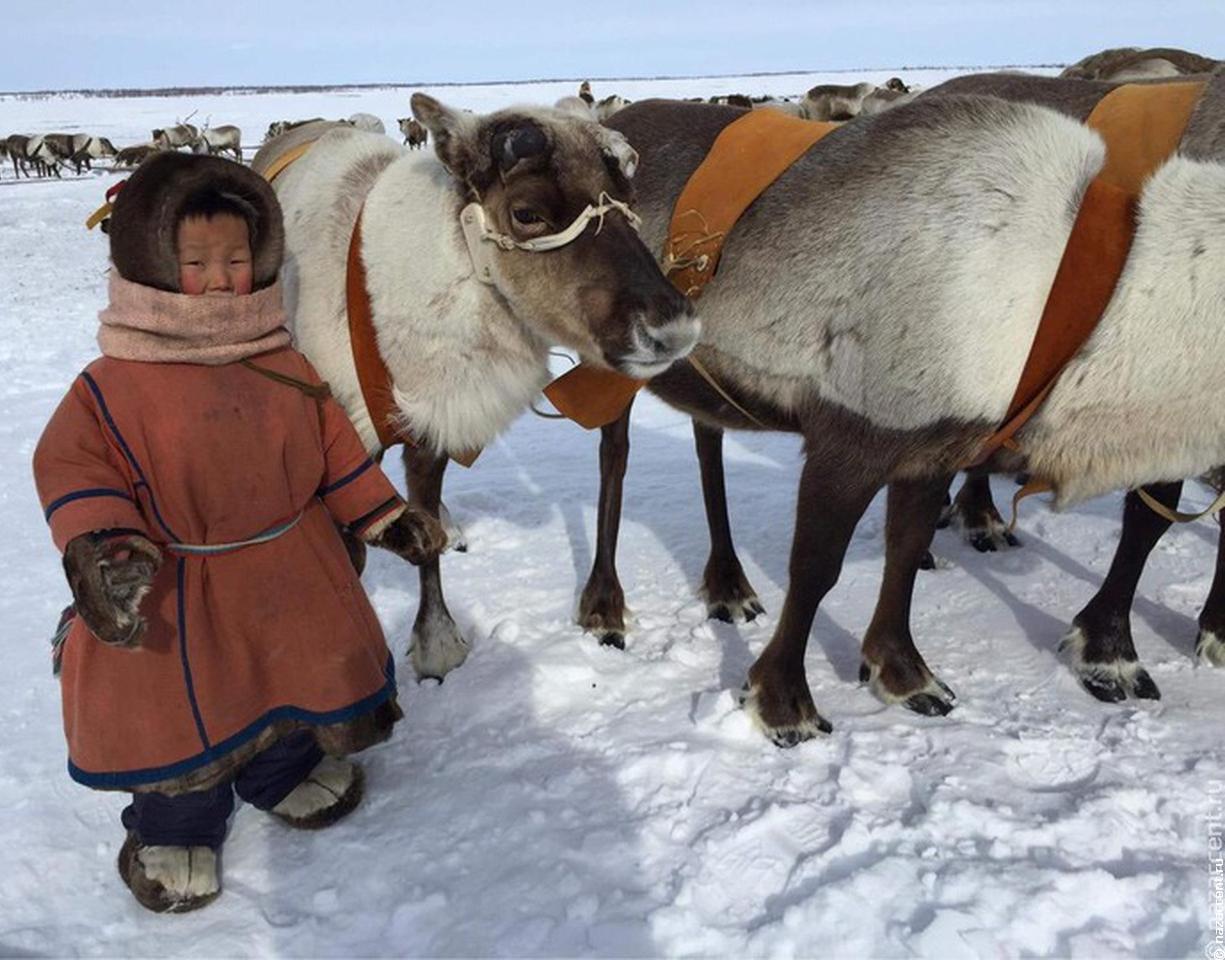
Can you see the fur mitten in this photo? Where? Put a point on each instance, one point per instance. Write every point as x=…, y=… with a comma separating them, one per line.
x=108, y=578
x=413, y=534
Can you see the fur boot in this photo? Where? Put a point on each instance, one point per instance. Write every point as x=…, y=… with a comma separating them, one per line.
x=330, y=791
x=170, y=879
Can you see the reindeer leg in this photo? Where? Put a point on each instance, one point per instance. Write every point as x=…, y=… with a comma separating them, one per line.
x=601, y=609
x=1210, y=644
x=973, y=512
x=834, y=493
x=892, y=664
x=1099, y=644
x=437, y=647
x=729, y=595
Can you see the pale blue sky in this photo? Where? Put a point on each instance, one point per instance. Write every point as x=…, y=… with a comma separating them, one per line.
x=137, y=43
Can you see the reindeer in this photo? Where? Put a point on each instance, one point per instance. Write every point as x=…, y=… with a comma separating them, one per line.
x=832, y=101
x=1132, y=63
x=415, y=135
x=61, y=144
x=15, y=147
x=87, y=148
x=607, y=106
x=47, y=155
x=465, y=330
x=366, y=121
x=811, y=319
x=180, y=135
x=217, y=140
x=278, y=127
x=135, y=155
x=837, y=102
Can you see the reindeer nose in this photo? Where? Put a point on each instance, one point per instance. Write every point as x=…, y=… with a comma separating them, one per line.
x=674, y=338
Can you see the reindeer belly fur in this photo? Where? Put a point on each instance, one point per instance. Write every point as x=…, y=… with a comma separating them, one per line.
x=903, y=279
x=1145, y=399
x=464, y=365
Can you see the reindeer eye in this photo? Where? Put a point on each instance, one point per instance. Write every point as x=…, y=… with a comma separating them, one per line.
x=525, y=216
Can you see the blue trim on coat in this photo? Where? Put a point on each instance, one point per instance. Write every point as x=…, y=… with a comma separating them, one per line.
x=127, y=451
x=132, y=778
x=83, y=495
x=347, y=478
x=187, y=681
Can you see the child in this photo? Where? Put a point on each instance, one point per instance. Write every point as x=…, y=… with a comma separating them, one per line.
x=193, y=477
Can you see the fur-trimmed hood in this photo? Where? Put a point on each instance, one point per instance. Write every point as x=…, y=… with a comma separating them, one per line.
x=147, y=210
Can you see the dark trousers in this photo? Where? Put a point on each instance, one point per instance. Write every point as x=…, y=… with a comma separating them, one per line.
x=199, y=819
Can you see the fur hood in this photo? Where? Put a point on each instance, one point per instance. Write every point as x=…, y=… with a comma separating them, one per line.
x=143, y=223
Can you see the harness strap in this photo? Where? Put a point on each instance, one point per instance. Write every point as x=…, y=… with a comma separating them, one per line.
x=1177, y=516
x=748, y=155
x=372, y=374
x=1142, y=125
x=277, y=166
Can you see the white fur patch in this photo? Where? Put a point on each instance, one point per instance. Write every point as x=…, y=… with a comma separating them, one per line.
x=463, y=366
x=1072, y=649
x=909, y=294
x=1210, y=649
x=1144, y=401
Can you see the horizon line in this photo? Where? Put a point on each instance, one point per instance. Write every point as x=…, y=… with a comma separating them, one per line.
x=258, y=88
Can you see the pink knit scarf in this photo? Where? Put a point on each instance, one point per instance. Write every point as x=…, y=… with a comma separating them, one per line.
x=142, y=323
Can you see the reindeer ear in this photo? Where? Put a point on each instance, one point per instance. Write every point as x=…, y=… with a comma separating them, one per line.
x=455, y=135
x=617, y=147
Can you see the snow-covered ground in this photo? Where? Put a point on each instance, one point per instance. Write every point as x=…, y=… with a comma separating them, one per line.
x=558, y=798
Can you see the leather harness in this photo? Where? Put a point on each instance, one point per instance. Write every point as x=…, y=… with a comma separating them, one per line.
x=1142, y=125
x=372, y=374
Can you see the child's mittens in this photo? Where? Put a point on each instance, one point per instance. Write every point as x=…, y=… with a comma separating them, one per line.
x=415, y=535
x=109, y=577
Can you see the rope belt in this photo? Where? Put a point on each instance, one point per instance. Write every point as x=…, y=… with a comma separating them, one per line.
x=214, y=549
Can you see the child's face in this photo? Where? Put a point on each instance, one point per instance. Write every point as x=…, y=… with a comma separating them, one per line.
x=214, y=256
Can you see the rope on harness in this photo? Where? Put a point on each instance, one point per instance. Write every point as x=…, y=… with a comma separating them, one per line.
x=1176, y=516
x=706, y=375
x=679, y=255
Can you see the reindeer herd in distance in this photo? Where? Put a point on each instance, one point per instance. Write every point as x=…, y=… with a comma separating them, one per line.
x=47, y=155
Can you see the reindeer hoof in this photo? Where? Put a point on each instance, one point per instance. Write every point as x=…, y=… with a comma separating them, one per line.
x=1110, y=681
x=1143, y=687
x=613, y=638
x=928, y=705
x=730, y=611
x=927, y=561
x=437, y=649
x=934, y=698
x=782, y=735
x=1106, y=690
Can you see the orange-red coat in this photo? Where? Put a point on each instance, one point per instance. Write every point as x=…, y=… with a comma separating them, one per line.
x=239, y=644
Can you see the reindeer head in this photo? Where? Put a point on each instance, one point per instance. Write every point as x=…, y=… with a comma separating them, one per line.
x=535, y=172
